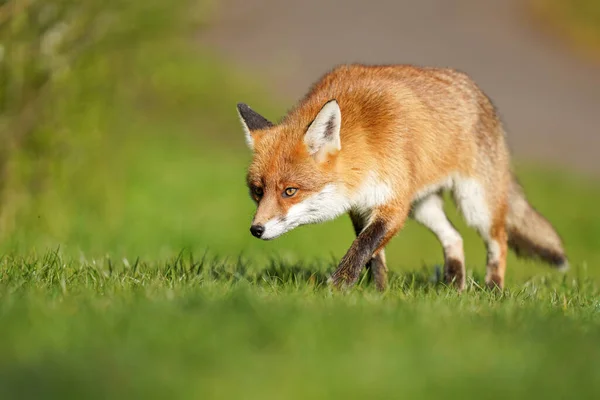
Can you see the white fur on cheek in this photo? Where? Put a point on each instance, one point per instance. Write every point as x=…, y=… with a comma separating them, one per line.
x=274, y=228
x=323, y=206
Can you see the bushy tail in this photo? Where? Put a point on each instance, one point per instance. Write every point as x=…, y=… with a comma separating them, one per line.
x=530, y=234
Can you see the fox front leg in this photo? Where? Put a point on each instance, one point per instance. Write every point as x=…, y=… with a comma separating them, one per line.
x=383, y=226
x=376, y=264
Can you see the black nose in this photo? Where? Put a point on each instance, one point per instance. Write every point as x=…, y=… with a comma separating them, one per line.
x=257, y=230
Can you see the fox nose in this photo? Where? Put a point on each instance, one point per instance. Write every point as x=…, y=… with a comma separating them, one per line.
x=257, y=230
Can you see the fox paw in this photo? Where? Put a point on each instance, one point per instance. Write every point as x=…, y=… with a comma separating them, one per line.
x=454, y=274
x=494, y=282
x=339, y=280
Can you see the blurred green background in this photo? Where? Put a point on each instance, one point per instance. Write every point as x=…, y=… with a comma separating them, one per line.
x=121, y=138
x=121, y=143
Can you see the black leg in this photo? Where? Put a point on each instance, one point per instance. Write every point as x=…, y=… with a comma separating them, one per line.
x=361, y=251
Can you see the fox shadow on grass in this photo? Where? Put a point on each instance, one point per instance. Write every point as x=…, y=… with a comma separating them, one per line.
x=423, y=279
x=278, y=272
x=315, y=274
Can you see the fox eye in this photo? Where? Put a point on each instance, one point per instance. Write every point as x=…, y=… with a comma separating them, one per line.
x=289, y=192
x=258, y=191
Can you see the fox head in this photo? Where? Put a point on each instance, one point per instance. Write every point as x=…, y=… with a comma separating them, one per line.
x=292, y=177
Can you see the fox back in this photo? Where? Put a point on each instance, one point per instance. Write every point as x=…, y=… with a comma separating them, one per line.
x=378, y=141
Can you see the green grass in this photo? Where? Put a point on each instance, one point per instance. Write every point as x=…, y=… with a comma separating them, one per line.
x=197, y=328
x=127, y=268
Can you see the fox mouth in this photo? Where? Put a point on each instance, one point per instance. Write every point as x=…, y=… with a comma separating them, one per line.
x=266, y=239
x=277, y=228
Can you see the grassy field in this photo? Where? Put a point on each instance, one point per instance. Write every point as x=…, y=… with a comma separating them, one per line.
x=198, y=328
x=130, y=271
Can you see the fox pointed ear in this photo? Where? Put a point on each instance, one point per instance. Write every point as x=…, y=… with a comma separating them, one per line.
x=251, y=121
x=323, y=134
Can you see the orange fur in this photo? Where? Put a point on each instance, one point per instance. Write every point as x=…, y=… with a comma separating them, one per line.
x=407, y=129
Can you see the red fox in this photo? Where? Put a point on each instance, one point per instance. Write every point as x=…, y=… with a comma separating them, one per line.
x=382, y=143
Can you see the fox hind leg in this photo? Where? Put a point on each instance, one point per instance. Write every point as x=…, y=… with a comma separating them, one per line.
x=377, y=264
x=497, y=247
x=485, y=210
x=430, y=213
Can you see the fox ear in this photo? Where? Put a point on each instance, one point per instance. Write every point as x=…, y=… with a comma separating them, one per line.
x=323, y=134
x=251, y=121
